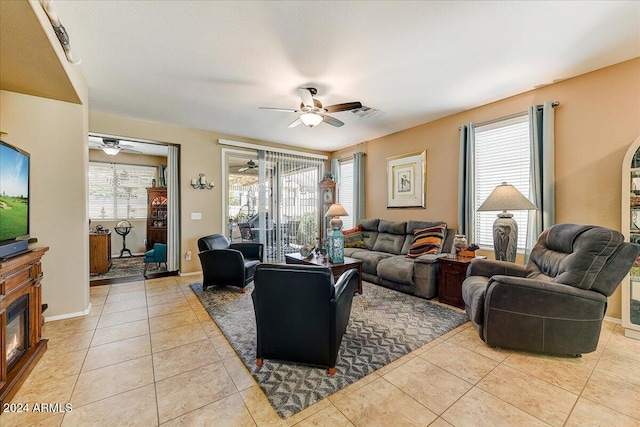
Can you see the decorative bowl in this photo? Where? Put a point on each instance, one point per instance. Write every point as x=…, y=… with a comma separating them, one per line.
x=307, y=251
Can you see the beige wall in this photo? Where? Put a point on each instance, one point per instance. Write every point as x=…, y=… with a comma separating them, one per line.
x=598, y=118
x=138, y=234
x=55, y=134
x=199, y=153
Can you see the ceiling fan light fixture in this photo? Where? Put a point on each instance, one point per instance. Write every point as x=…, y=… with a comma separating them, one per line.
x=311, y=119
x=112, y=151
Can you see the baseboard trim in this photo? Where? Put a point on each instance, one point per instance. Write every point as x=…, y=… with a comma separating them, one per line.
x=68, y=315
x=613, y=320
x=193, y=273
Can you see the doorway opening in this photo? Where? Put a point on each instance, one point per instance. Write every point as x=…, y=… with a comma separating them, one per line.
x=133, y=216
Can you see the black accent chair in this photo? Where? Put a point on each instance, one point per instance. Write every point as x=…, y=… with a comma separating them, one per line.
x=225, y=263
x=556, y=303
x=301, y=314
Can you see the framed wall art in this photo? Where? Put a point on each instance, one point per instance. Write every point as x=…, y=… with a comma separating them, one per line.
x=406, y=180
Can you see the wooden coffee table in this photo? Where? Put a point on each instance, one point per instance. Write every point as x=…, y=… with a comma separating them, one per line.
x=336, y=269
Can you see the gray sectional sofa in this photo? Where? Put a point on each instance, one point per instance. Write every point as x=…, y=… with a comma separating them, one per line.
x=384, y=260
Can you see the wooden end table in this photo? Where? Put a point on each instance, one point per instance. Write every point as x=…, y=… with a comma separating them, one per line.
x=336, y=269
x=452, y=272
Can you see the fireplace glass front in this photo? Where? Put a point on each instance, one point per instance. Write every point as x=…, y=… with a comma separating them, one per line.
x=17, y=330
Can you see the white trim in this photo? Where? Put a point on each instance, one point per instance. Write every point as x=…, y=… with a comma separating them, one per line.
x=272, y=149
x=68, y=315
x=613, y=320
x=632, y=334
x=193, y=273
x=224, y=179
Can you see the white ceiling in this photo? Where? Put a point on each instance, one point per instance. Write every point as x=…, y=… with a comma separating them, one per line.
x=211, y=64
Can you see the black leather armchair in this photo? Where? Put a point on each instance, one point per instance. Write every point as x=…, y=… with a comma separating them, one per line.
x=225, y=263
x=301, y=315
x=556, y=303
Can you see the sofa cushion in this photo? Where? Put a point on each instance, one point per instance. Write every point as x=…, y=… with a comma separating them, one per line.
x=427, y=241
x=389, y=243
x=392, y=227
x=369, y=238
x=406, y=246
x=370, y=260
x=370, y=224
x=412, y=226
x=350, y=251
x=397, y=269
x=353, y=237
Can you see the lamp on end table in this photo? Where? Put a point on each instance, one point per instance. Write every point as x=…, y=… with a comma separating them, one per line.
x=505, y=229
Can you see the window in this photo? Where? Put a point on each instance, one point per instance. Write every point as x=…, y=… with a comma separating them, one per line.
x=119, y=191
x=345, y=191
x=502, y=154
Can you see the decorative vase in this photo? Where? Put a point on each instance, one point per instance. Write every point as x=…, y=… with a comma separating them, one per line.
x=460, y=243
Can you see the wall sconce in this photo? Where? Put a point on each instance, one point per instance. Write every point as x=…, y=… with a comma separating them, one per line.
x=201, y=183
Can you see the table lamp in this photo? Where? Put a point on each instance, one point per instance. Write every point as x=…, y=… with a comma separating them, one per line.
x=336, y=211
x=505, y=229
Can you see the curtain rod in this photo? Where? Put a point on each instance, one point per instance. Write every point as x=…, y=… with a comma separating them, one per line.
x=554, y=104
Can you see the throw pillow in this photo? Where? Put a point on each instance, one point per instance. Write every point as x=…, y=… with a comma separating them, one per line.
x=427, y=241
x=353, y=237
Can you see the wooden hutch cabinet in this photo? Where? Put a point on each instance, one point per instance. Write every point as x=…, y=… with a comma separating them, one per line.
x=156, y=216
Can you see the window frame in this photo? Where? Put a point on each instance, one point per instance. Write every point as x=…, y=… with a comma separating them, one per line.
x=501, y=142
x=117, y=187
x=345, y=192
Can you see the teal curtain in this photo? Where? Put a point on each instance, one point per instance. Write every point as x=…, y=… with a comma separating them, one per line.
x=542, y=177
x=335, y=170
x=466, y=194
x=358, y=188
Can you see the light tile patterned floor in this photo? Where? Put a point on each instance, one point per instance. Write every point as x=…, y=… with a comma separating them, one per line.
x=148, y=354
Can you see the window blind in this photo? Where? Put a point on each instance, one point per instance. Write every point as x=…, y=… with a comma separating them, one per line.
x=118, y=191
x=345, y=191
x=502, y=154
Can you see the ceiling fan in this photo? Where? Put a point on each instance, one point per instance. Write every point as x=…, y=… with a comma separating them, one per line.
x=112, y=146
x=250, y=165
x=313, y=113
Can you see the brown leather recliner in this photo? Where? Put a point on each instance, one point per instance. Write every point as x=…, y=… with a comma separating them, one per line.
x=556, y=303
x=301, y=314
x=228, y=264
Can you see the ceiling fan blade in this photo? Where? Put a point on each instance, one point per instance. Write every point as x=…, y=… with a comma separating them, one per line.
x=331, y=121
x=286, y=110
x=343, y=107
x=295, y=123
x=306, y=96
x=129, y=150
x=243, y=169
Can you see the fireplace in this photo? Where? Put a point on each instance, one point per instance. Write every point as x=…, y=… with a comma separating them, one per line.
x=21, y=343
x=17, y=330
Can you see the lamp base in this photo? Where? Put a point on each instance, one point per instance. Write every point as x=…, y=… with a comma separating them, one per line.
x=505, y=237
x=335, y=222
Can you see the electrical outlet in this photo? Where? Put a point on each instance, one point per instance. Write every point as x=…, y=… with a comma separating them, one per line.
x=187, y=256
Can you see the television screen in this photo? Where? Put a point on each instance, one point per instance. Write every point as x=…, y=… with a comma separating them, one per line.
x=14, y=192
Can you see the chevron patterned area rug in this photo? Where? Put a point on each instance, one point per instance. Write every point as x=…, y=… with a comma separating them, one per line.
x=384, y=325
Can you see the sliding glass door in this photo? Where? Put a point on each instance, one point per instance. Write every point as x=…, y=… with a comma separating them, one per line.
x=274, y=202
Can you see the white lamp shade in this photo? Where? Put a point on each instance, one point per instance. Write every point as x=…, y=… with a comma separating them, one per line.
x=311, y=119
x=336, y=210
x=506, y=197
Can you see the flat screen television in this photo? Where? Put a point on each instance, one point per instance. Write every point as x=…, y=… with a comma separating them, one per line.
x=14, y=199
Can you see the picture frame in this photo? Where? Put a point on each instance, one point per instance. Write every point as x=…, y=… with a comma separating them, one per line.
x=406, y=175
